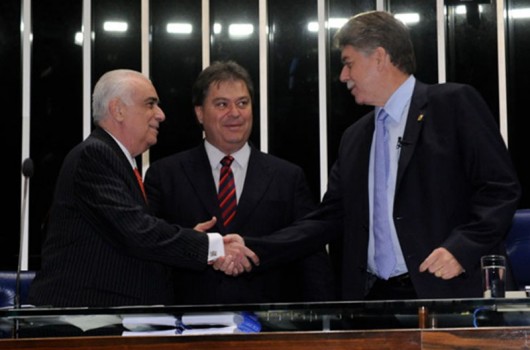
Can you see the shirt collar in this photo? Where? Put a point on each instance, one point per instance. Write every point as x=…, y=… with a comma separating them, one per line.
x=241, y=156
x=396, y=104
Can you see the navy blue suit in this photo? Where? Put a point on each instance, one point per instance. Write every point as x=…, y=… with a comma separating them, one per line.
x=456, y=188
x=181, y=189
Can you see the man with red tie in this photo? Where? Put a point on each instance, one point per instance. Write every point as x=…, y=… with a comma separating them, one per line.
x=266, y=193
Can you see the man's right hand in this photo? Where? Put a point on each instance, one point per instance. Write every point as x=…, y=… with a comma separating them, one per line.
x=238, y=258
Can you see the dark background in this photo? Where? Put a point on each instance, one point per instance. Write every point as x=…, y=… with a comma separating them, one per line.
x=175, y=60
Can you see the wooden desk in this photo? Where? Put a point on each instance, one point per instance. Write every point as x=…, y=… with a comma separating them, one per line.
x=460, y=338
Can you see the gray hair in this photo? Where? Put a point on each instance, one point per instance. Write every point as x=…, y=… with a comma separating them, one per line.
x=111, y=85
x=370, y=30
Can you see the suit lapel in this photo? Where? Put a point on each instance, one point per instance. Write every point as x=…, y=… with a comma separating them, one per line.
x=415, y=120
x=197, y=169
x=257, y=180
x=103, y=136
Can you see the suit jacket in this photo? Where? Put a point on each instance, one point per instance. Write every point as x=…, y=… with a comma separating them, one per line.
x=456, y=188
x=181, y=189
x=103, y=248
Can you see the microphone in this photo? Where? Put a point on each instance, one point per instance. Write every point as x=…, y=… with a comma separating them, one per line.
x=27, y=172
x=402, y=143
x=27, y=168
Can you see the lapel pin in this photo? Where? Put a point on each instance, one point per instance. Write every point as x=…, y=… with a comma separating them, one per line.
x=420, y=117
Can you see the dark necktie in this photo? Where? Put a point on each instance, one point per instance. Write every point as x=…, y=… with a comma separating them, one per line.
x=227, y=191
x=140, y=182
x=385, y=258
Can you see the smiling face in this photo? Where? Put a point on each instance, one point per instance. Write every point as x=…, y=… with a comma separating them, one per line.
x=361, y=74
x=226, y=115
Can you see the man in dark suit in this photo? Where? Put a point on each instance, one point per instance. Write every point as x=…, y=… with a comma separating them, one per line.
x=451, y=185
x=270, y=193
x=103, y=247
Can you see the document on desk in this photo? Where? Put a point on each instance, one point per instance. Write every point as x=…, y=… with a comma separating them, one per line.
x=83, y=322
x=149, y=322
x=191, y=323
x=88, y=322
x=218, y=318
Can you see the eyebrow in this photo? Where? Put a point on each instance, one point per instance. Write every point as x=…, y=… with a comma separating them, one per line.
x=229, y=99
x=152, y=100
x=219, y=99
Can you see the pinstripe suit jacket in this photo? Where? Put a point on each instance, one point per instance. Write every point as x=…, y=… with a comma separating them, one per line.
x=103, y=248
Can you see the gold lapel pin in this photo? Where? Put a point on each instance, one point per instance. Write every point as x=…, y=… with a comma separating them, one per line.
x=420, y=117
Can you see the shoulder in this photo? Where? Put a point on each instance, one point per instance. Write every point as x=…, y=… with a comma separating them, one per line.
x=99, y=144
x=176, y=158
x=272, y=161
x=444, y=97
x=96, y=149
x=455, y=90
x=95, y=156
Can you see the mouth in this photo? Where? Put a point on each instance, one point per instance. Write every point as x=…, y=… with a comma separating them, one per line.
x=233, y=126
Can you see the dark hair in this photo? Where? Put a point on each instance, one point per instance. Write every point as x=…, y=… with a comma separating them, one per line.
x=218, y=72
x=370, y=30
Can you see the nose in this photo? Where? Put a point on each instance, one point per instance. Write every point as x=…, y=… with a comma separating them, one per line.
x=159, y=114
x=344, y=74
x=234, y=110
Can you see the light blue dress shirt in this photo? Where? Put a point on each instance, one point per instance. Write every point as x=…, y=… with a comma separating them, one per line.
x=397, y=108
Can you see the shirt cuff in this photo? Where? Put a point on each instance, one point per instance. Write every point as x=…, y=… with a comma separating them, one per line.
x=216, y=247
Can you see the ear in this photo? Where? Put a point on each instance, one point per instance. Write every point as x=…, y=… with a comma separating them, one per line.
x=199, y=114
x=383, y=54
x=116, y=109
x=382, y=57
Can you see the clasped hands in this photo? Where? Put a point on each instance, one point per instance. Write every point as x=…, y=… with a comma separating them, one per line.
x=238, y=258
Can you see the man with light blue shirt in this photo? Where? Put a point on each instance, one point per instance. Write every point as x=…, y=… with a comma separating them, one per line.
x=415, y=224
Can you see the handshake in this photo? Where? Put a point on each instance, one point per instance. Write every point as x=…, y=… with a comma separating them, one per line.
x=237, y=258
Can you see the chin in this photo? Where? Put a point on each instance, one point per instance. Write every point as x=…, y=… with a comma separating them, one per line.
x=359, y=100
x=152, y=142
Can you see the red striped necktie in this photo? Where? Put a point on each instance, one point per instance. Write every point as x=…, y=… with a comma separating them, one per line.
x=227, y=191
x=140, y=182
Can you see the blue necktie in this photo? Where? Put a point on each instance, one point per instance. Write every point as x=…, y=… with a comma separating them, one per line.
x=385, y=258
